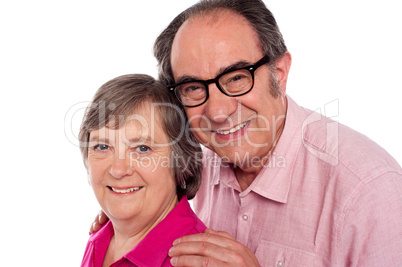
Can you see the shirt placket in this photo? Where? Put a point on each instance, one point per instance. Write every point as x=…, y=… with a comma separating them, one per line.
x=244, y=220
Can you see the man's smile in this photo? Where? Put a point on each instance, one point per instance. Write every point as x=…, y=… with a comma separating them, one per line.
x=234, y=129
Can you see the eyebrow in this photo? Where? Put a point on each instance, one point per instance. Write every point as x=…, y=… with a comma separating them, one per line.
x=235, y=66
x=97, y=139
x=134, y=139
x=139, y=138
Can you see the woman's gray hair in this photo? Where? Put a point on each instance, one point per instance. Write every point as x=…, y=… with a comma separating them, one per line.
x=117, y=99
x=254, y=11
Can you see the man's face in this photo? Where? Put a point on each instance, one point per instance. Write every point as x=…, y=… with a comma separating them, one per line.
x=241, y=129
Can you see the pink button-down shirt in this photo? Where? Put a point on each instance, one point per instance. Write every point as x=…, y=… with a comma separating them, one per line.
x=153, y=249
x=328, y=196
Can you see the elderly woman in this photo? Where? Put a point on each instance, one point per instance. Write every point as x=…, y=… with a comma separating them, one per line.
x=143, y=165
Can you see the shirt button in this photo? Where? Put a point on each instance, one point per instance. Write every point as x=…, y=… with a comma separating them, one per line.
x=245, y=217
x=279, y=264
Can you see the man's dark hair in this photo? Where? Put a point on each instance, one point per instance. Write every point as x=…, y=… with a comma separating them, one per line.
x=254, y=11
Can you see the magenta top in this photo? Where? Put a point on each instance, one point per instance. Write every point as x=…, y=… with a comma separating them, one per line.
x=153, y=249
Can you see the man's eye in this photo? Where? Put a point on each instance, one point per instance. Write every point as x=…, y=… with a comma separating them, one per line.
x=236, y=78
x=192, y=88
x=142, y=148
x=101, y=147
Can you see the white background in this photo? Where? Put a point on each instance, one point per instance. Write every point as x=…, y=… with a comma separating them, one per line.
x=55, y=54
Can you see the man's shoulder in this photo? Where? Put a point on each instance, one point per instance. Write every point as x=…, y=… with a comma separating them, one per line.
x=342, y=147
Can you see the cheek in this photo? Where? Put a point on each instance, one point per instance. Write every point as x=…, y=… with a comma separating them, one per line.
x=165, y=173
x=95, y=173
x=261, y=100
x=199, y=123
x=194, y=116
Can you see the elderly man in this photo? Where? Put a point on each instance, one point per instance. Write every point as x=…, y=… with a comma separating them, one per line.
x=281, y=185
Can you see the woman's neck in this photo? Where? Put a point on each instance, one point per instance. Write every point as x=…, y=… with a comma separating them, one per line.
x=128, y=233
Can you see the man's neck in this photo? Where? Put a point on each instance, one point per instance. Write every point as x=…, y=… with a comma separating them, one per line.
x=245, y=178
x=246, y=175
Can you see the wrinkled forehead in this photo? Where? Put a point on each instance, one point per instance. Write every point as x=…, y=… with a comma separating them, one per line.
x=141, y=126
x=145, y=112
x=206, y=44
x=145, y=118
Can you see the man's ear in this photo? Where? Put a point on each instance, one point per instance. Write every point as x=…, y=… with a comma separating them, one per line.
x=282, y=70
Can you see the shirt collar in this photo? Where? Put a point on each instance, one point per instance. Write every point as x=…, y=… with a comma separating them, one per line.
x=100, y=241
x=153, y=249
x=275, y=178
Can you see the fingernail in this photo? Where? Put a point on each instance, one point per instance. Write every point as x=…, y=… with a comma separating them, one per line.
x=171, y=250
x=177, y=241
x=173, y=261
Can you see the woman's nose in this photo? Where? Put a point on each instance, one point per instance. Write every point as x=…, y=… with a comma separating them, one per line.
x=121, y=168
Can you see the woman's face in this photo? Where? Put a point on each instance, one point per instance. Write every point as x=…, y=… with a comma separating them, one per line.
x=129, y=169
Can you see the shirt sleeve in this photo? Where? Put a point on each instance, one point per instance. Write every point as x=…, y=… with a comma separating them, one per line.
x=371, y=233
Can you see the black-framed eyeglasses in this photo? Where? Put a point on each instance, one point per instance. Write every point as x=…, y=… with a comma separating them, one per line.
x=231, y=83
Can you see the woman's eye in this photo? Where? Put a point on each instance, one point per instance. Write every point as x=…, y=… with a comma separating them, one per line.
x=142, y=148
x=101, y=147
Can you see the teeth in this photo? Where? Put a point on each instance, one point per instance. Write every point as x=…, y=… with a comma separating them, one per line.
x=124, y=191
x=235, y=129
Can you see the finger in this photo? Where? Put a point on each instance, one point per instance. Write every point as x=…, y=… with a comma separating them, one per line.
x=205, y=237
x=91, y=229
x=221, y=247
x=206, y=250
x=94, y=225
x=196, y=261
x=99, y=220
x=102, y=218
x=221, y=233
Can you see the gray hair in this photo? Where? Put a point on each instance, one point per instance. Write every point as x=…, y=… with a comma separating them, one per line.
x=254, y=11
x=119, y=97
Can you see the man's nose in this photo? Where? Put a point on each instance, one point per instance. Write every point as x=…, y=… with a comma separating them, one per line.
x=219, y=106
